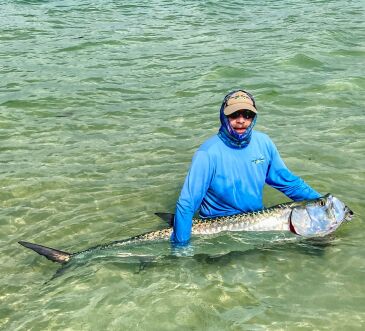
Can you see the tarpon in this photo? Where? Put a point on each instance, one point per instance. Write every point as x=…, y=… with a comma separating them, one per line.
x=310, y=218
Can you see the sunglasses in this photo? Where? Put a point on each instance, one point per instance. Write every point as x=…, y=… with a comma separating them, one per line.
x=247, y=114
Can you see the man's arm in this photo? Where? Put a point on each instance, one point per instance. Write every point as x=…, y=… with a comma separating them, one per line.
x=281, y=178
x=195, y=187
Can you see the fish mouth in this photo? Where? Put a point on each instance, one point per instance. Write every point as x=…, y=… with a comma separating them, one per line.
x=349, y=214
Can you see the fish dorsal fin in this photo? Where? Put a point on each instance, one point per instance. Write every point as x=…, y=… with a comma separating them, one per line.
x=52, y=254
x=167, y=217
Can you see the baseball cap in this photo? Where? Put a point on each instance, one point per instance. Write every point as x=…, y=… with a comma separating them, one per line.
x=239, y=101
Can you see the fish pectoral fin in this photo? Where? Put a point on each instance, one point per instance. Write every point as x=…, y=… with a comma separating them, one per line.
x=52, y=254
x=167, y=217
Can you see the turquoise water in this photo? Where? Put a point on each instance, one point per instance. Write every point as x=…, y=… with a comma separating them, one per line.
x=102, y=106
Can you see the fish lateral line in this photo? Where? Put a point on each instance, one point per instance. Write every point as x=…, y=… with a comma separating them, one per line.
x=169, y=218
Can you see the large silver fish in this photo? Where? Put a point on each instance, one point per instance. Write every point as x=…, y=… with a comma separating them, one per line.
x=311, y=218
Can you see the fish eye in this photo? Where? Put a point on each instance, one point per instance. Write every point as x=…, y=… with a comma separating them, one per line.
x=322, y=203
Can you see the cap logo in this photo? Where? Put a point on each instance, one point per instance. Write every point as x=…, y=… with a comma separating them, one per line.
x=242, y=97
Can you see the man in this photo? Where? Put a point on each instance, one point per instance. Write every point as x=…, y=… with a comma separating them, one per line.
x=228, y=172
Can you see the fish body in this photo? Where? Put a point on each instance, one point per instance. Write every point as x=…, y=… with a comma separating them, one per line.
x=310, y=218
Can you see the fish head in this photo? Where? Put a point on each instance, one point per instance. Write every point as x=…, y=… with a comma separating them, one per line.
x=319, y=217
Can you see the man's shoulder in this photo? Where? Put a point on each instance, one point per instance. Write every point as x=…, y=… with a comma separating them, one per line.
x=261, y=137
x=210, y=144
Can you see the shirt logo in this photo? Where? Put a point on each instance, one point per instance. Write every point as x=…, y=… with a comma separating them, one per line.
x=259, y=160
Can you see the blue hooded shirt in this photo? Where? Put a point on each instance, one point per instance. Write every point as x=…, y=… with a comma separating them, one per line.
x=227, y=176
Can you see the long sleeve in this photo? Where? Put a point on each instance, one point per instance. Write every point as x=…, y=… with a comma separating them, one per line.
x=194, y=189
x=281, y=178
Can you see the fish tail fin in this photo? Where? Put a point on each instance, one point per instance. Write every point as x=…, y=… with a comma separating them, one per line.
x=50, y=253
x=167, y=217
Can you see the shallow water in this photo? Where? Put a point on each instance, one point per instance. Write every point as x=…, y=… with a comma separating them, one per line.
x=102, y=106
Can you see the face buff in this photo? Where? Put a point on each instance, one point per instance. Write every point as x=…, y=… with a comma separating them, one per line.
x=228, y=135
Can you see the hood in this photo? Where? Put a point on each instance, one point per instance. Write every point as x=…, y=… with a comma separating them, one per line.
x=226, y=133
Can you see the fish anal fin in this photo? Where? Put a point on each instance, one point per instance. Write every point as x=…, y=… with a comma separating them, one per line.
x=167, y=217
x=52, y=254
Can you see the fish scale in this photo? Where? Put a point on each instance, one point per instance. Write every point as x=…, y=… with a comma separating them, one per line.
x=271, y=219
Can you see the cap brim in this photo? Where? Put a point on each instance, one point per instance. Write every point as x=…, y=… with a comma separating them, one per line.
x=238, y=106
